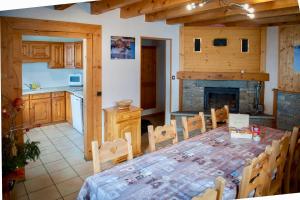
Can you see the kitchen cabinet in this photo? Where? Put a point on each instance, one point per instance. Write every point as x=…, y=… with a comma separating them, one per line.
x=26, y=108
x=58, y=107
x=118, y=122
x=40, y=109
x=35, y=51
x=57, y=55
x=68, y=108
x=69, y=55
x=78, y=55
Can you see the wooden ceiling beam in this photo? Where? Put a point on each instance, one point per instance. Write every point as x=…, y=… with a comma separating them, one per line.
x=236, y=18
x=98, y=7
x=269, y=21
x=223, y=12
x=149, y=6
x=181, y=11
x=63, y=6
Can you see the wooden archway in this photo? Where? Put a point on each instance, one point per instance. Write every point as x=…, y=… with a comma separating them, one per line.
x=12, y=30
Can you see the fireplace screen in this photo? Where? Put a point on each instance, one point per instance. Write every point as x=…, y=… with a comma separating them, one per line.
x=217, y=97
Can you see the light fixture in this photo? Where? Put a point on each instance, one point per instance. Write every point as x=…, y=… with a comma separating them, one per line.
x=246, y=7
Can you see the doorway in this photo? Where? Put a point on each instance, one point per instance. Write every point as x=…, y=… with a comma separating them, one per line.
x=153, y=84
x=12, y=31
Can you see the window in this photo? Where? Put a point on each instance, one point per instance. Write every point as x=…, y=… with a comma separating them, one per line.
x=297, y=58
x=197, y=45
x=244, y=45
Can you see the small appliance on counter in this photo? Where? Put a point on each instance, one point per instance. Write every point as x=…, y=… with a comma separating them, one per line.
x=75, y=80
x=33, y=86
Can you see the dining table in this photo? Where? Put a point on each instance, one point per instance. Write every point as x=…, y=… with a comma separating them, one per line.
x=181, y=171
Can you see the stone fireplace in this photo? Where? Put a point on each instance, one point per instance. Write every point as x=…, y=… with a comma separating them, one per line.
x=201, y=95
x=217, y=97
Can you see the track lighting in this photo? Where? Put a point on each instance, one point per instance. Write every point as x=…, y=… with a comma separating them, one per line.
x=246, y=7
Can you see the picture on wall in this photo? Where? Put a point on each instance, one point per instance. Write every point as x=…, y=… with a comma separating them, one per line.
x=122, y=47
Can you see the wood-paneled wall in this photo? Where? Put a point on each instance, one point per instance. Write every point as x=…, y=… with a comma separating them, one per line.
x=288, y=79
x=222, y=59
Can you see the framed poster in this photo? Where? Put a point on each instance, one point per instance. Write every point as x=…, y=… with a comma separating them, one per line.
x=122, y=47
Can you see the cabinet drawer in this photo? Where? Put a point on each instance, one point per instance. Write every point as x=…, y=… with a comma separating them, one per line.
x=25, y=97
x=58, y=94
x=40, y=96
x=128, y=115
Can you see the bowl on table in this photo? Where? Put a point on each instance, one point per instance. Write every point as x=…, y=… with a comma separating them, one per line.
x=124, y=104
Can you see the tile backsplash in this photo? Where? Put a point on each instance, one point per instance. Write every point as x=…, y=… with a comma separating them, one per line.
x=40, y=73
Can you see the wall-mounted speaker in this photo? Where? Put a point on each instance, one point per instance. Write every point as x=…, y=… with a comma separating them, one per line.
x=220, y=42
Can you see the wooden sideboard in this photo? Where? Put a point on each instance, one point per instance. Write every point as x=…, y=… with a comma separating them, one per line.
x=118, y=122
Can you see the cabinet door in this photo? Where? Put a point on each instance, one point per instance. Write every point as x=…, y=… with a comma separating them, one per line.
x=68, y=108
x=58, y=109
x=40, y=111
x=25, y=50
x=57, y=55
x=39, y=50
x=26, y=115
x=69, y=55
x=134, y=127
x=78, y=54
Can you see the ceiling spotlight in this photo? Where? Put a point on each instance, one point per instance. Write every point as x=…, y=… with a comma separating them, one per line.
x=251, y=15
x=251, y=10
x=246, y=6
x=201, y=4
x=189, y=7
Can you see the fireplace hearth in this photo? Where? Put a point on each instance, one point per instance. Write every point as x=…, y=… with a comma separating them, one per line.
x=217, y=97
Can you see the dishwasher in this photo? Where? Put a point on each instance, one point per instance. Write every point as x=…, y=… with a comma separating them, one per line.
x=77, y=113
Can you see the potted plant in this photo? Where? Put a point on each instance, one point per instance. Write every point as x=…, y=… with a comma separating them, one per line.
x=15, y=154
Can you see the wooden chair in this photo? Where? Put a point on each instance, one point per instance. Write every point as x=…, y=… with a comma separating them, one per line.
x=291, y=158
x=219, y=115
x=277, y=164
x=110, y=151
x=213, y=194
x=161, y=134
x=193, y=123
x=254, y=178
x=295, y=182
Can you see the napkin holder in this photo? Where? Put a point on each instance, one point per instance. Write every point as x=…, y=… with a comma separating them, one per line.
x=239, y=126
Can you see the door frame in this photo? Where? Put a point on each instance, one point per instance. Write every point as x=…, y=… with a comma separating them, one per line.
x=12, y=29
x=168, y=77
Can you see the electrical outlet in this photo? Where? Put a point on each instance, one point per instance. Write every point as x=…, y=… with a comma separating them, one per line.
x=173, y=77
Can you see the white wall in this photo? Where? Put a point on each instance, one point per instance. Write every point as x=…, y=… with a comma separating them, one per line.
x=120, y=78
x=40, y=73
x=271, y=67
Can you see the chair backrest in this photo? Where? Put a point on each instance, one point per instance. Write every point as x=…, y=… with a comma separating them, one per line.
x=111, y=150
x=161, y=134
x=219, y=115
x=193, y=123
x=291, y=155
x=277, y=163
x=213, y=194
x=254, y=177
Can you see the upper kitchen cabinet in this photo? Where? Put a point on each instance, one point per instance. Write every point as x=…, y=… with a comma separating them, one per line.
x=78, y=54
x=36, y=51
x=73, y=54
x=57, y=55
x=69, y=54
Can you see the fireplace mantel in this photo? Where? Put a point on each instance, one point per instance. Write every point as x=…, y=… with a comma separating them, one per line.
x=246, y=76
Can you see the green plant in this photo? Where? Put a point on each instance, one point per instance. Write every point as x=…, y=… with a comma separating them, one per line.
x=15, y=155
x=29, y=151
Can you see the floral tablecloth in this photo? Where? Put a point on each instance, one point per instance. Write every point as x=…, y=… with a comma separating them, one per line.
x=180, y=171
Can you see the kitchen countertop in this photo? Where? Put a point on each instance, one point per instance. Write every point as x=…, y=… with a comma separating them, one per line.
x=77, y=91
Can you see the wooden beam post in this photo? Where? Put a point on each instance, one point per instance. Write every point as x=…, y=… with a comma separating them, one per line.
x=149, y=6
x=98, y=7
x=63, y=6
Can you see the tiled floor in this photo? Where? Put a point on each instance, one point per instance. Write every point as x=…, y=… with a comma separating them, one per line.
x=61, y=169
